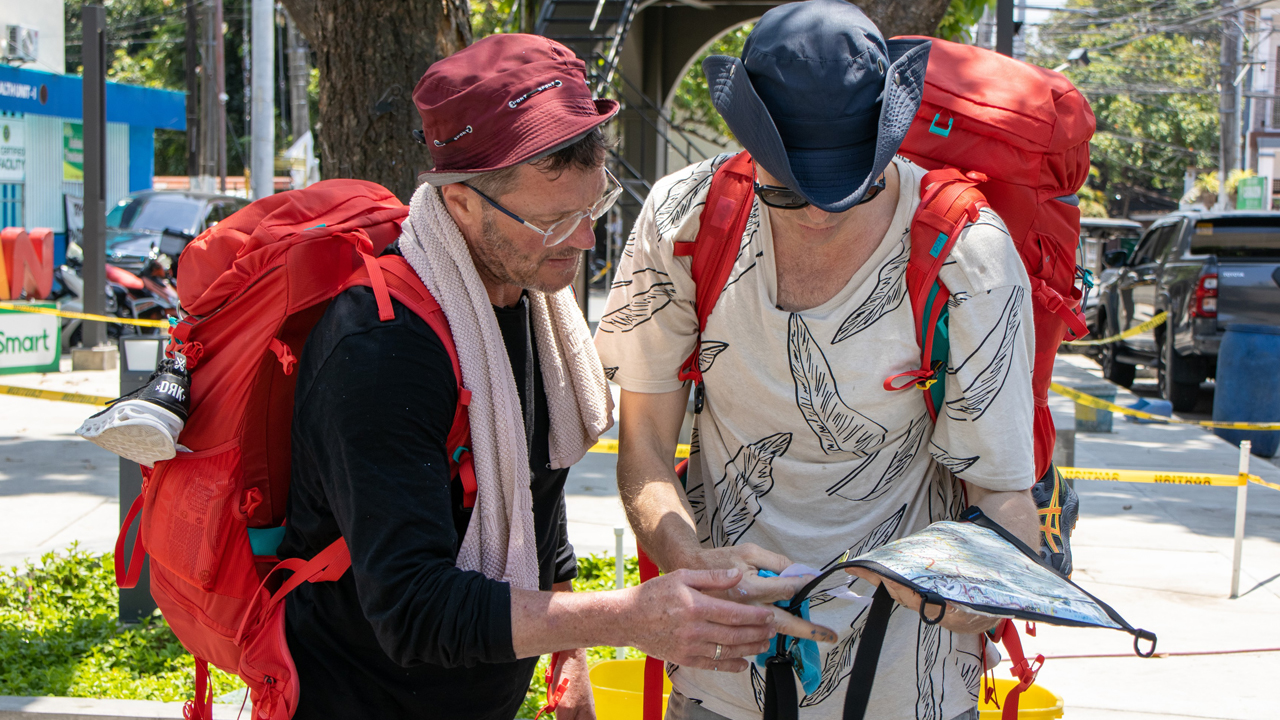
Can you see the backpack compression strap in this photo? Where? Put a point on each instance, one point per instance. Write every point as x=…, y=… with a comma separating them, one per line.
x=391, y=276
x=949, y=201
x=714, y=250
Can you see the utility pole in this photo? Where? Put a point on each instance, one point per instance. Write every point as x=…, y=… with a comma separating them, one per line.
x=220, y=76
x=193, y=94
x=208, y=101
x=299, y=78
x=1227, y=120
x=1004, y=27
x=93, y=19
x=263, y=144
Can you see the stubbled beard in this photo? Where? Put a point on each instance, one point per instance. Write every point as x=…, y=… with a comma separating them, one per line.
x=496, y=252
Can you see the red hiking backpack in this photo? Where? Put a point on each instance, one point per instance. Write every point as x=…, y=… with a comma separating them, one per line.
x=992, y=132
x=212, y=517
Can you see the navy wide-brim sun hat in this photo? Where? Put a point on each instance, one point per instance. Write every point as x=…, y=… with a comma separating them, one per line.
x=820, y=99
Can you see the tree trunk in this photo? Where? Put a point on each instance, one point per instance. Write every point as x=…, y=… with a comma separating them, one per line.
x=905, y=17
x=370, y=54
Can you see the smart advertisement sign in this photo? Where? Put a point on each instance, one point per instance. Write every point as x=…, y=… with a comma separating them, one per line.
x=29, y=342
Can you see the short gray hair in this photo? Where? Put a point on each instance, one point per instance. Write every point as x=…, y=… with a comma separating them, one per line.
x=586, y=153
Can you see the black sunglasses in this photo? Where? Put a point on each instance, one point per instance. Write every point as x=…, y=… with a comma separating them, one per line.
x=777, y=196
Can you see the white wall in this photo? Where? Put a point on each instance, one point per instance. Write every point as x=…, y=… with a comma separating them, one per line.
x=46, y=16
x=44, y=185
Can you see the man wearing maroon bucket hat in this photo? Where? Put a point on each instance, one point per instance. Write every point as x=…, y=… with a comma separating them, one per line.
x=449, y=603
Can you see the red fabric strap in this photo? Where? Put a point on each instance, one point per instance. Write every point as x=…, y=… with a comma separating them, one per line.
x=127, y=577
x=653, y=667
x=555, y=691
x=1023, y=670
x=201, y=706
x=328, y=565
x=714, y=250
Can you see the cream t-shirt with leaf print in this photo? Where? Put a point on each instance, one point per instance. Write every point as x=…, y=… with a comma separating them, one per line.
x=799, y=447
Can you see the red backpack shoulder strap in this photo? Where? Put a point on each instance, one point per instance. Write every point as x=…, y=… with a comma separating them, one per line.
x=949, y=200
x=723, y=220
x=391, y=276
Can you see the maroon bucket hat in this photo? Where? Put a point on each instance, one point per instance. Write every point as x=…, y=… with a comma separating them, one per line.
x=505, y=100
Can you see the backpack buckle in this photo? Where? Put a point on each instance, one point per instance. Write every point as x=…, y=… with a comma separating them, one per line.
x=699, y=398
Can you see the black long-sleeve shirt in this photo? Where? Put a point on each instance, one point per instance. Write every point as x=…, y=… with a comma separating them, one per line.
x=404, y=633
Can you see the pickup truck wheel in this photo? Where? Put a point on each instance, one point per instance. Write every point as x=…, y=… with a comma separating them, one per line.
x=1182, y=395
x=1117, y=372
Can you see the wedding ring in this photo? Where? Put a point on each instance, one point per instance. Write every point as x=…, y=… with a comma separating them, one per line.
x=719, y=650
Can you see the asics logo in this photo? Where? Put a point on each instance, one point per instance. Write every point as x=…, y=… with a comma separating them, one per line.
x=172, y=389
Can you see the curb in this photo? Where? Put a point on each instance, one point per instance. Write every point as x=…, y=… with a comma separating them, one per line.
x=66, y=708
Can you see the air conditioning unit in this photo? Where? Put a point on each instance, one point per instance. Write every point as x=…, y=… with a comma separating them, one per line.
x=22, y=43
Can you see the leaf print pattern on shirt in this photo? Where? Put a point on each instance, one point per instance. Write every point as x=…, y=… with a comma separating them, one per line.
x=707, y=353
x=748, y=477
x=748, y=241
x=839, y=427
x=902, y=457
x=610, y=372
x=990, y=362
x=658, y=293
x=837, y=664
x=881, y=534
x=885, y=297
x=757, y=684
x=685, y=195
x=928, y=652
x=946, y=460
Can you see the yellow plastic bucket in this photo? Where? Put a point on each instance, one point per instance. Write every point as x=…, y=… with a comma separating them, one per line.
x=619, y=691
x=1035, y=703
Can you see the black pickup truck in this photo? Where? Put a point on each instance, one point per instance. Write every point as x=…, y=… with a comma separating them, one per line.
x=1206, y=270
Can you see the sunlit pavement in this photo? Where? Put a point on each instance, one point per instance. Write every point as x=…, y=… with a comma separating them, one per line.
x=1160, y=554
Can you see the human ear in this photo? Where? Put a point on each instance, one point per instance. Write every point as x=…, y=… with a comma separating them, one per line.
x=463, y=206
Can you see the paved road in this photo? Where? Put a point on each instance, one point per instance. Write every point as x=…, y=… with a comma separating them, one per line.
x=1160, y=554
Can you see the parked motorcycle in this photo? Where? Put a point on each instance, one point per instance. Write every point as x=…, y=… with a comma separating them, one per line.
x=152, y=294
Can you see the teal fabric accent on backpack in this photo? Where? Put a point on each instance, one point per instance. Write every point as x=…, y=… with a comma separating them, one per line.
x=938, y=244
x=941, y=350
x=265, y=541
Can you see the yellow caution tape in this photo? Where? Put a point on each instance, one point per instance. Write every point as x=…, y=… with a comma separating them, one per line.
x=1259, y=481
x=52, y=395
x=1159, y=477
x=1101, y=404
x=606, y=445
x=1135, y=330
x=610, y=446
x=164, y=324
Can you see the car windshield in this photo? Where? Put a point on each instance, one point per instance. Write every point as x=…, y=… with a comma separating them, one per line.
x=1237, y=237
x=155, y=213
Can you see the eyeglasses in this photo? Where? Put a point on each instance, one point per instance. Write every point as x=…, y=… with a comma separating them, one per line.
x=562, y=229
x=784, y=198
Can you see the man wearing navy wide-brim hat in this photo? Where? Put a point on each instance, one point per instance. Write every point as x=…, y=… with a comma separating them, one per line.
x=798, y=449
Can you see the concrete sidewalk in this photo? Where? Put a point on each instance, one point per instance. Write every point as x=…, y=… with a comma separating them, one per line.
x=1160, y=554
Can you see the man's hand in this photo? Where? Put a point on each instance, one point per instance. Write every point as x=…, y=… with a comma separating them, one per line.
x=958, y=618
x=750, y=558
x=675, y=618
x=578, y=703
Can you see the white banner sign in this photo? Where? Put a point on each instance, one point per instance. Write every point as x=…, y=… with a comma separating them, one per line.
x=28, y=340
x=13, y=151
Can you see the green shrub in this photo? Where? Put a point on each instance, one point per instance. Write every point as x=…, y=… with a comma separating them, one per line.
x=59, y=635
